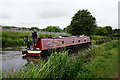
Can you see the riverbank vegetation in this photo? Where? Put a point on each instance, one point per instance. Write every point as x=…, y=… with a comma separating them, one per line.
x=97, y=39
x=47, y=29
x=99, y=61
x=12, y=38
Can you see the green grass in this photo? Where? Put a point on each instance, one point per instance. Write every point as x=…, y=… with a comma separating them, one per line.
x=96, y=39
x=12, y=38
x=103, y=64
x=0, y=74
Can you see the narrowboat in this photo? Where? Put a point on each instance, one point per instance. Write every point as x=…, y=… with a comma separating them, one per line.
x=44, y=45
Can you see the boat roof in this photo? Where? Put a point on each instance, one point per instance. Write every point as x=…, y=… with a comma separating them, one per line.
x=59, y=37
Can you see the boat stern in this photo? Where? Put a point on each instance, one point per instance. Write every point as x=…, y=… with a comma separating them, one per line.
x=32, y=52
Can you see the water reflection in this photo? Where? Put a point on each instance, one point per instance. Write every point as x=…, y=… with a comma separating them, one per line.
x=12, y=60
x=13, y=49
x=29, y=59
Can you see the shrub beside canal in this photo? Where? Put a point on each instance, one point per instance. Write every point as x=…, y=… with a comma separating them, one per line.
x=103, y=64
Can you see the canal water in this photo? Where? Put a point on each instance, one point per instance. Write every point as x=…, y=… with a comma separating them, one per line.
x=13, y=59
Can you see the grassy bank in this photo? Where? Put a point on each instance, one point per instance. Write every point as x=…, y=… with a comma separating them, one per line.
x=96, y=39
x=103, y=64
x=12, y=38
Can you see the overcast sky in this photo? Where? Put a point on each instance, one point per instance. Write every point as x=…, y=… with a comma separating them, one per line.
x=43, y=13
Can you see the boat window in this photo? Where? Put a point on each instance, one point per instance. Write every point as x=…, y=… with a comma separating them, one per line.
x=63, y=42
x=85, y=39
x=73, y=41
x=78, y=40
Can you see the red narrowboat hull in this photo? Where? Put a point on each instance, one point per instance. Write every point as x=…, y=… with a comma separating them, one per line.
x=30, y=54
x=44, y=44
x=51, y=43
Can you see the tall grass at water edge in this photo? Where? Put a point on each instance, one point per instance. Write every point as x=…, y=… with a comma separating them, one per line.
x=103, y=62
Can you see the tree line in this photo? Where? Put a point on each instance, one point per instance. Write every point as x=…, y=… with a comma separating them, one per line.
x=47, y=29
x=82, y=23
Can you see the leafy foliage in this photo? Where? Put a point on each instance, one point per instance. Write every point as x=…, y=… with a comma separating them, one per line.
x=52, y=29
x=6, y=27
x=116, y=30
x=82, y=23
x=32, y=28
x=116, y=33
x=109, y=29
x=101, y=31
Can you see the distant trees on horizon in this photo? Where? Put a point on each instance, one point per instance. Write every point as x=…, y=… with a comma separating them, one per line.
x=82, y=23
x=47, y=29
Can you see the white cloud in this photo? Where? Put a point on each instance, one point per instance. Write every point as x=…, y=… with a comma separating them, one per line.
x=42, y=13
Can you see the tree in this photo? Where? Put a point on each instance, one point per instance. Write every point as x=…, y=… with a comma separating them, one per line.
x=116, y=30
x=32, y=28
x=6, y=26
x=116, y=33
x=101, y=31
x=64, y=30
x=68, y=28
x=52, y=29
x=82, y=23
x=109, y=29
x=24, y=28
